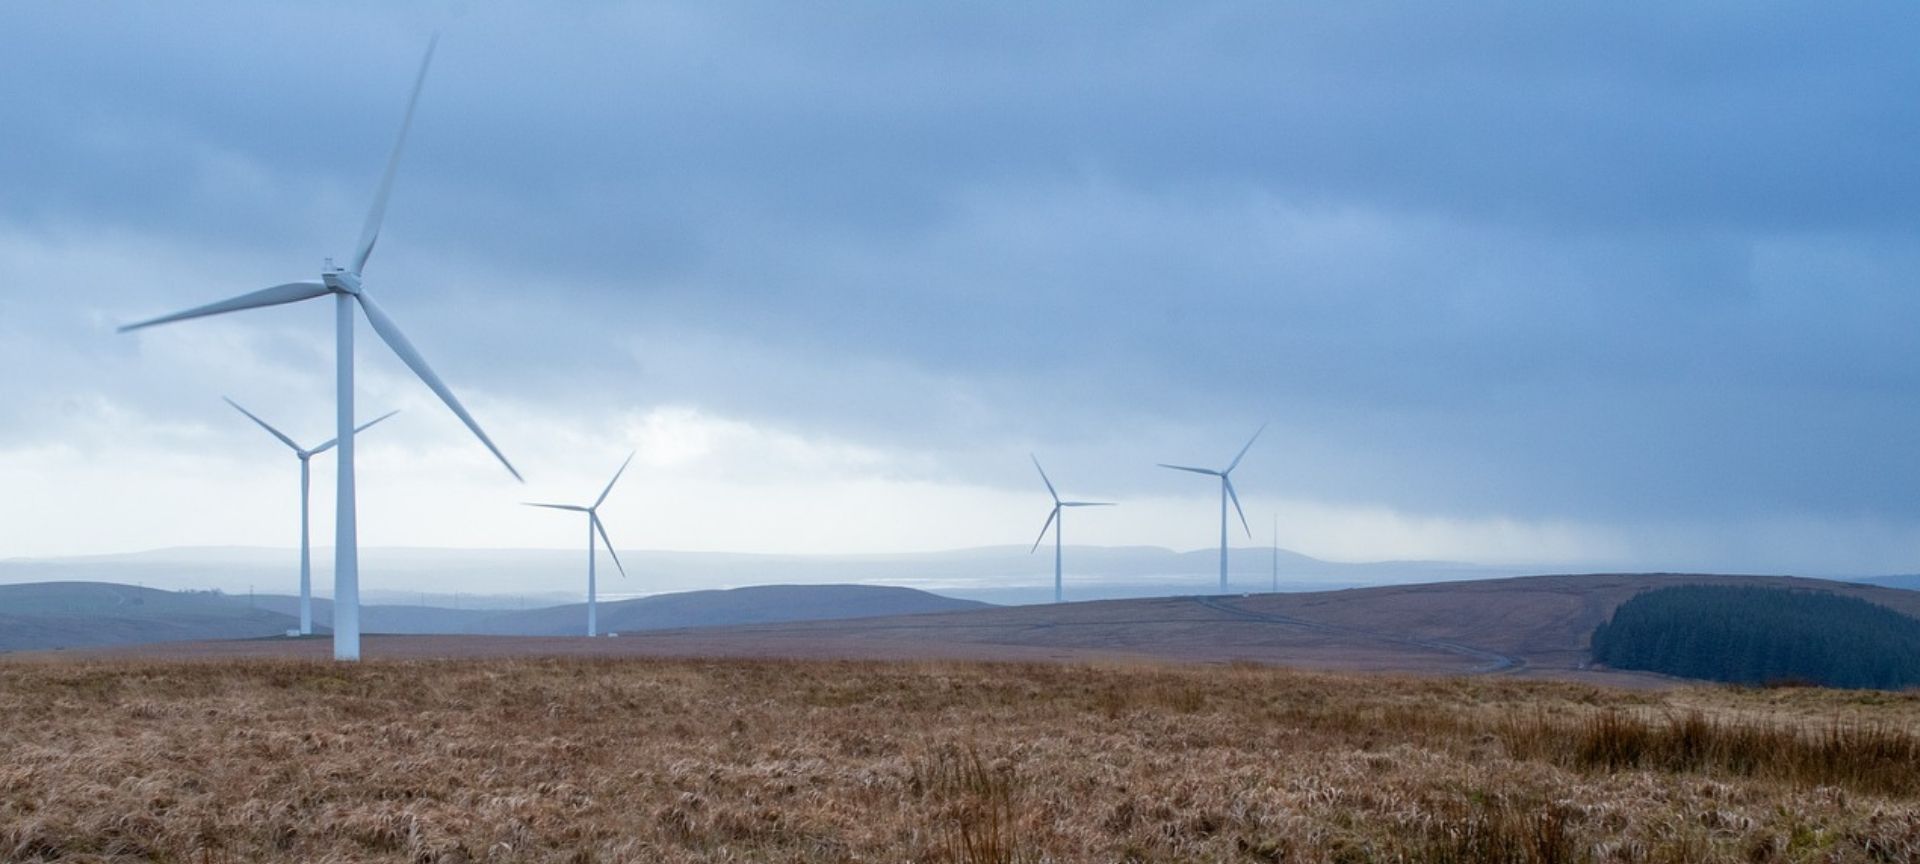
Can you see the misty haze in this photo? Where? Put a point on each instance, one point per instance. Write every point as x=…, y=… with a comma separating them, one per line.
x=1367, y=432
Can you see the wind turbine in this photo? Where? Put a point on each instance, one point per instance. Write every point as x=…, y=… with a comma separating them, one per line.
x=306, y=560
x=594, y=525
x=1276, y=553
x=344, y=284
x=1054, y=521
x=1226, y=492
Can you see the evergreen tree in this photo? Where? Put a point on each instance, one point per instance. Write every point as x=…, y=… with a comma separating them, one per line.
x=1755, y=635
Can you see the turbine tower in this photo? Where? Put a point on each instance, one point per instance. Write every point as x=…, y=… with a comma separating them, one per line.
x=306, y=558
x=594, y=525
x=344, y=284
x=1226, y=493
x=1276, y=553
x=1054, y=521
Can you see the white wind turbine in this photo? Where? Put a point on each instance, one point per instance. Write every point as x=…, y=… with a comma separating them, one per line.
x=1226, y=492
x=344, y=285
x=306, y=558
x=594, y=525
x=1276, y=553
x=1055, y=520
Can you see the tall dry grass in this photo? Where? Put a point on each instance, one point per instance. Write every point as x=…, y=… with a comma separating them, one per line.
x=646, y=760
x=1878, y=757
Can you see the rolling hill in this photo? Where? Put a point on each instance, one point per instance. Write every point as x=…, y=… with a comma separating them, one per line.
x=757, y=604
x=86, y=614
x=1534, y=626
x=498, y=577
x=53, y=615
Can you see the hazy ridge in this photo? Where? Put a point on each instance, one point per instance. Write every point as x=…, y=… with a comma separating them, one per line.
x=526, y=578
x=52, y=615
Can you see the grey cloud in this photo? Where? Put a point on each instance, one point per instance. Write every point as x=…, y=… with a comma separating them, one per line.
x=1575, y=261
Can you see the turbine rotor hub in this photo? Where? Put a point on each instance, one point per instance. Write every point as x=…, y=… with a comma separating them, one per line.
x=340, y=281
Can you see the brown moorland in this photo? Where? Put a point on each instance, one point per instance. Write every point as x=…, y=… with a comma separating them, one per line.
x=1536, y=626
x=625, y=759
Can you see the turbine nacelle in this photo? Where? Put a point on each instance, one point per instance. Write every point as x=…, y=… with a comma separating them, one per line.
x=1226, y=487
x=1053, y=516
x=593, y=513
x=340, y=281
x=304, y=453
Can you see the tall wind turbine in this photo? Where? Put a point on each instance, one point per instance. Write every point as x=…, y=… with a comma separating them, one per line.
x=1054, y=521
x=593, y=525
x=306, y=558
x=1226, y=493
x=344, y=284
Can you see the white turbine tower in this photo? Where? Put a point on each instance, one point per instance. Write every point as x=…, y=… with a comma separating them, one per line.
x=306, y=557
x=344, y=285
x=594, y=525
x=1276, y=553
x=1226, y=493
x=1055, y=521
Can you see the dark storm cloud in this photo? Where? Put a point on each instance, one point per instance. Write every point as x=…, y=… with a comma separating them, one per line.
x=1587, y=262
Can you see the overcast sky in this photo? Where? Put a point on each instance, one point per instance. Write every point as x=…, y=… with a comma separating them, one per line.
x=1559, y=284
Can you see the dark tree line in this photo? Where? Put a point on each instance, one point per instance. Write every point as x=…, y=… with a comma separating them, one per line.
x=1754, y=635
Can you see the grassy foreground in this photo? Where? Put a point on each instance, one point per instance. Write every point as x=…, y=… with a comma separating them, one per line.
x=640, y=760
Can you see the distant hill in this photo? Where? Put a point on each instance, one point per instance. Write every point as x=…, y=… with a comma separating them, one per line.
x=86, y=614
x=1909, y=581
x=1526, y=626
x=498, y=577
x=760, y=604
x=1750, y=634
x=391, y=617
x=1532, y=625
x=752, y=605
x=78, y=614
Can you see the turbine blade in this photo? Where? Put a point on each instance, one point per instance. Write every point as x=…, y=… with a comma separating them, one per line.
x=1088, y=504
x=1043, y=528
x=598, y=526
x=1236, y=505
x=357, y=430
x=370, y=232
x=364, y=426
x=1207, y=471
x=1043, y=477
x=616, y=478
x=1243, y=451
x=573, y=507
x=264, y=425
x=398, y=342
x=291, y=292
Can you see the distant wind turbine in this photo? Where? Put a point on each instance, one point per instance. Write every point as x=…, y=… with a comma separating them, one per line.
x=594, y=525
x=1276, y=553
x=1055, y=521
x=344, y=285
x=306, y=558
x=1226, y=493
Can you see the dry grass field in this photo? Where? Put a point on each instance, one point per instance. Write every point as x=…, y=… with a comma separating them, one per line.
x=623, y=759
